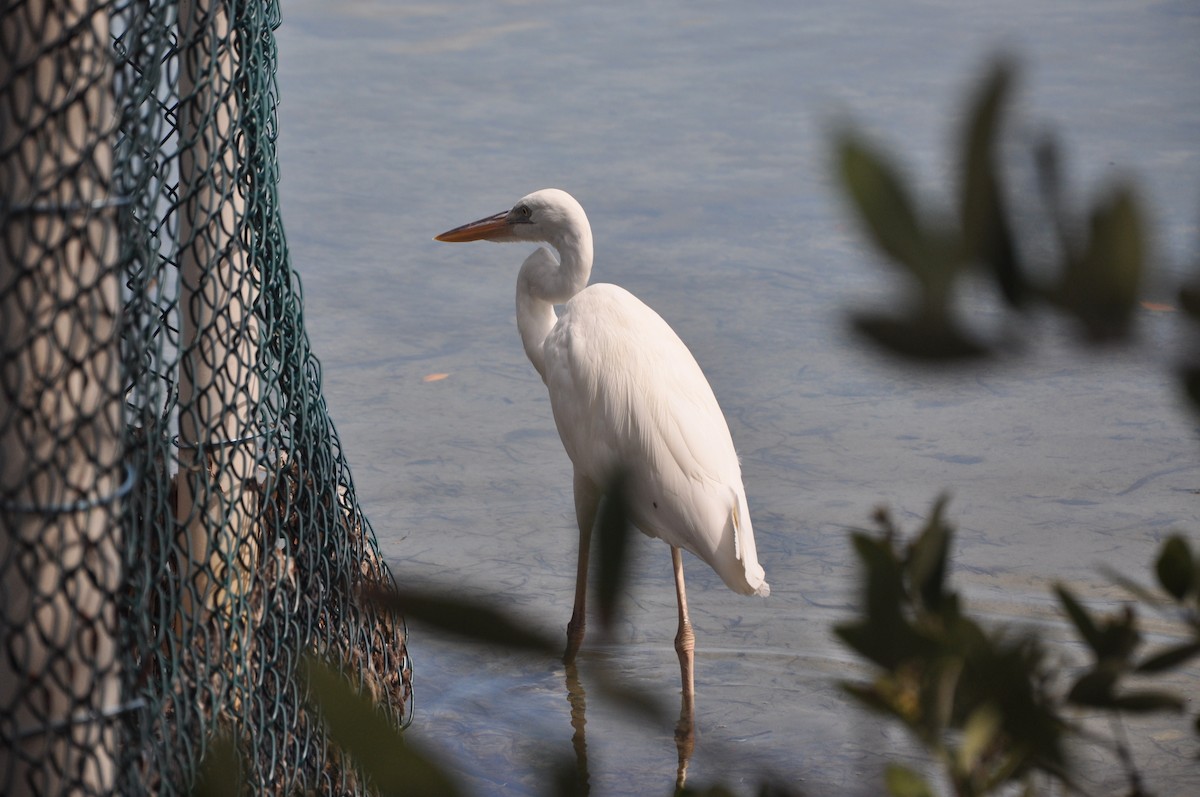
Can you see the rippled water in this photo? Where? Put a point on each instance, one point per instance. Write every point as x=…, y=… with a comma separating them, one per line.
x=696, y=136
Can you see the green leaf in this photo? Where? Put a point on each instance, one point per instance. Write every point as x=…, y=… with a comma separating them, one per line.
x=921, y=337
x=613, y=530
x=718, y=790
x=467, y=618
x=1189, y=298
x=883, y=580
x=926, y=563
x=978, y=734
x=221, y=773
x=1170, y=658
x=1048, y=164
x=626, y=697
x=869, y=696
x=1191, y=385
x=374, y=744
x=1101, y=287
x=1094, y=688
x=1119, y=636
x=1082, y=620
x=882, y=200
x=864, y=638
x=987, y=233
x=569, y=777
x=978, y=152
x=904, y=782
x=480, y=623
x=1115, y=639
x=1145, y=702
x=1143, y=594
x=1175, y=567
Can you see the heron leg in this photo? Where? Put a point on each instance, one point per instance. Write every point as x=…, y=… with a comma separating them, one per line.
x=587, y=499
x=685, y=646
x=685, y=639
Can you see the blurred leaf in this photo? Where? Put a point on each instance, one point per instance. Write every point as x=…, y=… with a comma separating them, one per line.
x=613, y=527
x=1132, y=587
x=1189, y=298
x=978, y=151
x=1176, y=567
x=221, y=770
x=1145, y=702
x=567, y=780
x=1009, y=674
x=904, y=782
x=927, y=559
x=1095, y=688
x=1119, y=636
x=883, y=587
x=882, y=635
x=1189, y=302
x=1100, y=287
x=862, y=639
x=873, y=697
x=999, y=252
x=478, y=622
x=1080, y=618
x=376, y=746
x=1170, y=658
x=467, y=618
x=775, y=789
x=629, y=699
x=979, y=733
x=1191, y=385
x=1048, y=163
x=709, y=791
x=987, y=233
x=929, y=338
x=882, y=201
x=1115, y=638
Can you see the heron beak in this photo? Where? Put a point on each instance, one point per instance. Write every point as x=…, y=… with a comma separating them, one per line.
x=490, y=229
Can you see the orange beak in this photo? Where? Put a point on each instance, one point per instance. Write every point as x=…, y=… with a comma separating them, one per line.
x=488, y=229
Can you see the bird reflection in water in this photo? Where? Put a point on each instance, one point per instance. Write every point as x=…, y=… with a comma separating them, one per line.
x=685, y=732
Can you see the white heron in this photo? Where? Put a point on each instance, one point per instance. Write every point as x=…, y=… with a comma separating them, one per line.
x=627, y=397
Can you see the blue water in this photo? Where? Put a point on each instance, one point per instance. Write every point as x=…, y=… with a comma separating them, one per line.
x=696, y=135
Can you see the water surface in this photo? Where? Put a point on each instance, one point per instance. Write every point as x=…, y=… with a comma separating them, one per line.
x=696, y=136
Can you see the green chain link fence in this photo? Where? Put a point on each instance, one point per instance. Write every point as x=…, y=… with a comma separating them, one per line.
x=178, y=525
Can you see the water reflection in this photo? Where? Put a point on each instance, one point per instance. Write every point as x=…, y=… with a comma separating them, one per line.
x=685, y=736
x=685, y=729
x=577, y=698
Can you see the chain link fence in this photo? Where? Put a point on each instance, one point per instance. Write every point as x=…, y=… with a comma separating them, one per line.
x=178, y=525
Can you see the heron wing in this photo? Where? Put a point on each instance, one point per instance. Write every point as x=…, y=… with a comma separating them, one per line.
x=628, y=394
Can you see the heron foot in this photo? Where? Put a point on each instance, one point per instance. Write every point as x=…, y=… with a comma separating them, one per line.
x=575, y=630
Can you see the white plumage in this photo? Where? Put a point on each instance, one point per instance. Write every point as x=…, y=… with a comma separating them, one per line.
x=627, y=395
x=626, y=392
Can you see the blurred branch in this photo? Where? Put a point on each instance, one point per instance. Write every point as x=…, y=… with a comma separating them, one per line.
x=980, y=700
x=976, y=699
x=1095, y=280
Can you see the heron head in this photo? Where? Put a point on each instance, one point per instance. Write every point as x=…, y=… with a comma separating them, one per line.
x=546, y=215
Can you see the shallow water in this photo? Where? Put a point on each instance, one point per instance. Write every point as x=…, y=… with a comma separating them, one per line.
x=696, y=136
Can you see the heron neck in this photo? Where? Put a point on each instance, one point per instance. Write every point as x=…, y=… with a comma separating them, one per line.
x=545, y=281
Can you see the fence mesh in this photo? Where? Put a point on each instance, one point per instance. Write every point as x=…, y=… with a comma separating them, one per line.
x=177, y=520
